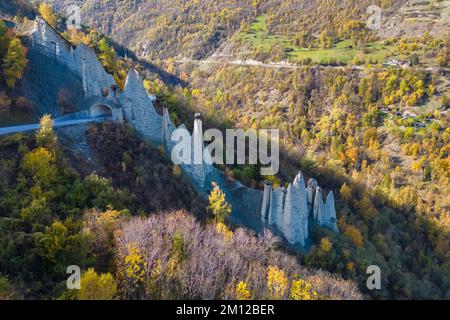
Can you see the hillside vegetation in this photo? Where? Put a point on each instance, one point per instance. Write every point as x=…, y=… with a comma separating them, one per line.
x=366, y=112
x=377, y=136
x=341, y=126
x=194, y=29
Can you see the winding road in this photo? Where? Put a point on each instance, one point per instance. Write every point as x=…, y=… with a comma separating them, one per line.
x=255, y=63
x=56, y=124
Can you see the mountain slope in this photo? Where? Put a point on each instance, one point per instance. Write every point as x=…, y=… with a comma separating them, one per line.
x=16, y=8
x=182, y=28
x=162, y=29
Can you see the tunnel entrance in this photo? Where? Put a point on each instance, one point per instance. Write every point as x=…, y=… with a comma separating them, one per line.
x=101, y=110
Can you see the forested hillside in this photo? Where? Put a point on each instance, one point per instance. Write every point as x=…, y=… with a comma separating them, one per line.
x=365, y=111
x=376, y=135
x=56, y=212
x=194, y=29
x=390, y=171
x=163, y=29
x=17, y=8
x=62, y=206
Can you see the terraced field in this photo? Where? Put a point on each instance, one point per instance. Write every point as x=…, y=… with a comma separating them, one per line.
x=341, y=52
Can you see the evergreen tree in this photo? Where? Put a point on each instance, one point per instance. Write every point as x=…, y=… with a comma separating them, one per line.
x=108, y=56
x=346, y=192
x=45, y=136
x=14, y=62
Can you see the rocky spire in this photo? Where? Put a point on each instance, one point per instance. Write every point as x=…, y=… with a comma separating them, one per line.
x=311, y=192
x=266, y=201
x=329, y=219
x=277, y=208
x=139, y=110
x=318, y=204
x=167, y=129
x=287, y=209
x=325, y=213
x=197, y=140
x=303, y=212
x=95, y=78
x=296, y=212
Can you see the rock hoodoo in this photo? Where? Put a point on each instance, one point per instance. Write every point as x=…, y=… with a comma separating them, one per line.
x=289, y=210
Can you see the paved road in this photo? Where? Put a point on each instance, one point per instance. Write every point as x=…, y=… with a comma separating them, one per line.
x=255, y=63
x=57, y=124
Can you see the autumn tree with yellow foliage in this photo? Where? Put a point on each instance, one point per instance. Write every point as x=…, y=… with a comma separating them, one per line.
x=46, y=11
x=302, y=290
x=133, y=271
x=14, y=62
x=242, y=292
x=95, y=286
x=346, y=192
x=277, y=282
x=218, y=206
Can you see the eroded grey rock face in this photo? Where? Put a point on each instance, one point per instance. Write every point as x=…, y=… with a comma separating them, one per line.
x=81, y=60
x=95, y=78
x=311, y=192
x=197, y=169
x=139, y=110
x=289, y=210
x=266, y=201
x=296, y=212
x=167, y=129
x=329, y=219
x=318, y=204
x=286, y=209
x=53, y=45
x=325, y=212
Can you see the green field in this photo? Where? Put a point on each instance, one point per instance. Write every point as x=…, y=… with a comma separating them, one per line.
x=341, y=52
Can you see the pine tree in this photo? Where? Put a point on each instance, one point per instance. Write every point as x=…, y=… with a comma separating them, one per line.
x=15, y=62
x=346, y=192
x=45, y=136
x=108, y=56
